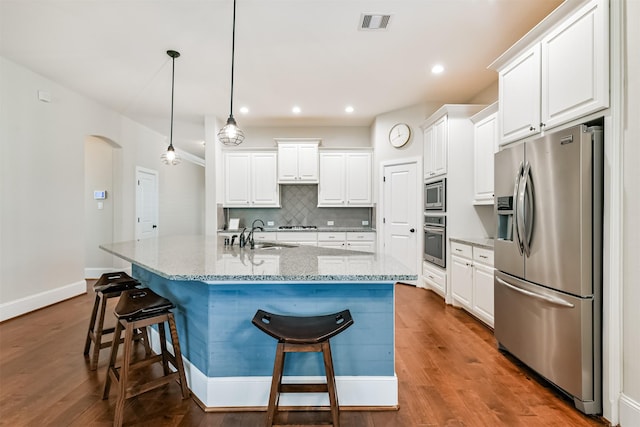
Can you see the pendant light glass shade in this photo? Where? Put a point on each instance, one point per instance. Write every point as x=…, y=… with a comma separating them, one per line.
x=170, y=157
x=231, y=134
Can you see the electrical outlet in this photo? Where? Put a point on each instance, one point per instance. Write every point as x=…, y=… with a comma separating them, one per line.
x=329, y=222
x=365, y=222
x=270, y=223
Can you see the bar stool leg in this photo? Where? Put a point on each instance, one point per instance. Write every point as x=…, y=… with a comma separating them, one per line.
x=112, y=360
x=331, y=384
x=97, y=345
x=94, y=313
x=163, y=348
x=178, y=356
x=145, y=341
x=274, y=394
x=124, y=376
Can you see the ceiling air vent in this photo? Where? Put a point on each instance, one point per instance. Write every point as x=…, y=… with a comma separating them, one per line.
x=372, y=21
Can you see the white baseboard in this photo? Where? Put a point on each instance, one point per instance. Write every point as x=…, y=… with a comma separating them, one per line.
x=253, y=392
x=24, y=305
x=96, y=272
x=629, y=412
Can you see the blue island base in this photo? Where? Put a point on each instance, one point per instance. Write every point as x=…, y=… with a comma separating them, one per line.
x=229, y=361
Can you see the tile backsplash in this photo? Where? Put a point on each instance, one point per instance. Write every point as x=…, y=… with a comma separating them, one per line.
x=300, y=207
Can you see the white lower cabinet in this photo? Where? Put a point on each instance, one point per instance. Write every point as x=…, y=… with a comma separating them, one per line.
x=339, y=265
x=434, y=278
x=352, y=240
x=472, y=280
x=308, y=238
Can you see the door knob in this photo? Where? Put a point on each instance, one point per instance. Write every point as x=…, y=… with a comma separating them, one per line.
x=413, y=230
x=154, y=226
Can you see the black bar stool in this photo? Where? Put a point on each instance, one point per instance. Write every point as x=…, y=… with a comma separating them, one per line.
x=137, y=309
x=302, y=334
x=110, y=285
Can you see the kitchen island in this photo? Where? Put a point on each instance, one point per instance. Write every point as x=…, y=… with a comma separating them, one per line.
x=217, y=290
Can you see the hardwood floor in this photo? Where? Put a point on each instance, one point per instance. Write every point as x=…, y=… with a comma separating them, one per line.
x=449, y=371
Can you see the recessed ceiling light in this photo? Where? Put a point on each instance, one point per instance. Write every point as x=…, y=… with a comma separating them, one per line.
x=244, y=110
x=437, y=69
x=296, y=110
x=349, y=109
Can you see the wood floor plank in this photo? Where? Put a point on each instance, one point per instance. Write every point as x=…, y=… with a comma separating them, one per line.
x=449, y=370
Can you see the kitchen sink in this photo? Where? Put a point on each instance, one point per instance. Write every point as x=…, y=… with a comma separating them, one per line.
x=272, y=246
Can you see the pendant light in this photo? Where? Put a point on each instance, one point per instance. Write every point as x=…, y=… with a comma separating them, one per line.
x=231, y=134
x=170, y=157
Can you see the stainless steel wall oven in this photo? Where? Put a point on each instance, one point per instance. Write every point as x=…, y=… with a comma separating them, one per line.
x=435, y=239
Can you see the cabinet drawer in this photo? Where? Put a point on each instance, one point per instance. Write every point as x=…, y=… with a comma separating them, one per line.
x=264, y=235
x=432, y=275
x=361, y=236
x=328, y=236
x=485, y=256
x=461, y=250
x=297, y=236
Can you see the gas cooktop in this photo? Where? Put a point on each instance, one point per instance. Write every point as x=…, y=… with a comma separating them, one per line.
x=297, y=227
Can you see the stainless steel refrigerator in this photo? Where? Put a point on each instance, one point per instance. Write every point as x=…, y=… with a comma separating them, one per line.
x=548, y=259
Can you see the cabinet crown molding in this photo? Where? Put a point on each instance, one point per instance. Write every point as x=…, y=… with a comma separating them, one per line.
x=538, y=32
x=452, y=110
x=483, y=114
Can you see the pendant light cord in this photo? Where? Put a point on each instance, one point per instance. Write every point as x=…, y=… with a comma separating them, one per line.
x=233, y=50
x=173, y=73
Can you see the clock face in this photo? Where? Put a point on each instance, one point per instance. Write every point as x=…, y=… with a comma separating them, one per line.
x=399, y=134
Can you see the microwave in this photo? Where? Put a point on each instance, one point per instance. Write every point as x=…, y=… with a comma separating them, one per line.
x=435, y=196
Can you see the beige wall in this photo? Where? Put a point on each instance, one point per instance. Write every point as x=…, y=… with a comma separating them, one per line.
x=42, y=187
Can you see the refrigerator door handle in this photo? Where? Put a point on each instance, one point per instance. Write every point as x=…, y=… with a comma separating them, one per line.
x=546, y=298
x=516, y=187
x=525, y=218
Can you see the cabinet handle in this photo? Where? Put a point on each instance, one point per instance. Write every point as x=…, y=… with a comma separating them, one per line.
x=542, y=125
x=532, y=128
x=430, y=277
x=458, y=250
x=482, y=256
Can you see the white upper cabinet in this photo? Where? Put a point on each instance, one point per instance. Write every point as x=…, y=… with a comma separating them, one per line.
x=575, y=66
x=250, y=179
x=435, y=149
x=562, y=75
x=485, y=145
x=519, y=88
x=298, y=161
x=345, y=179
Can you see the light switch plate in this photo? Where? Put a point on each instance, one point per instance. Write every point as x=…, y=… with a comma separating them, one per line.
x=365, y=222
x=329, y=222
x=270, y=223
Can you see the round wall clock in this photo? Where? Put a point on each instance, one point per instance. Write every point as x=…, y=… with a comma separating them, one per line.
x=399, y=134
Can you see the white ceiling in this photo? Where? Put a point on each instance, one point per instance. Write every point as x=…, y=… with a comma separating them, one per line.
x=308, y=53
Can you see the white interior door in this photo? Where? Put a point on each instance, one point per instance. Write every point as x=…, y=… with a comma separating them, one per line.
x=146, y=203
x=401, y=207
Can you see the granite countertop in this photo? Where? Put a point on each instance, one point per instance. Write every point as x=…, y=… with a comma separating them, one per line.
x=206, y=258
x=481, y=242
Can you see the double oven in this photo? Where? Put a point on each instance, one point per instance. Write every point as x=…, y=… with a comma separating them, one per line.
x=435, y=223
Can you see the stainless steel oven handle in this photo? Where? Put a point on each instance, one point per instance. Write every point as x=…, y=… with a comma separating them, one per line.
x=437, y=230
x=547, y=298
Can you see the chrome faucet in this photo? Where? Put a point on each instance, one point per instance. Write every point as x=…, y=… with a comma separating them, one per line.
x=254, y=228
x=243, y=241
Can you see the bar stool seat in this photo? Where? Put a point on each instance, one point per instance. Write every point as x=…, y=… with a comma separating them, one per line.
x=302, y=334
x=137, y=309
x=109, y=285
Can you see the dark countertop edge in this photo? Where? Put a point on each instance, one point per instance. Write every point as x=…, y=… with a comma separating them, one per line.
x=480, y=242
